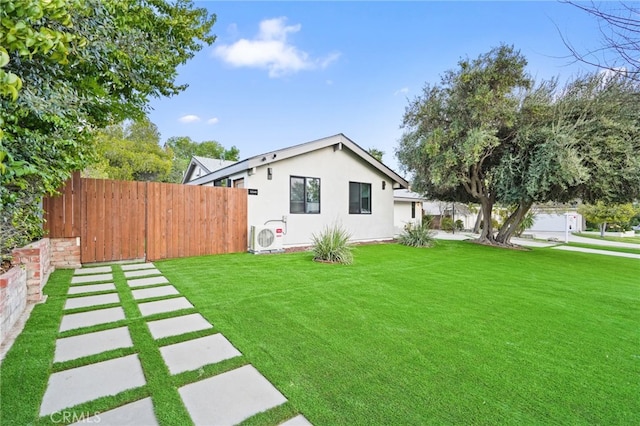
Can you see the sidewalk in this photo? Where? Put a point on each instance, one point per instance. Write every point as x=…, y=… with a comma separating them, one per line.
x=227, y=398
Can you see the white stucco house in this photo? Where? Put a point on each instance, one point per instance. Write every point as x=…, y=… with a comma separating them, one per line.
x=304, y=188
x=407, y=208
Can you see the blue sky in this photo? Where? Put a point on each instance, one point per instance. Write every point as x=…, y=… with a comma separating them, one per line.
x=283, y=73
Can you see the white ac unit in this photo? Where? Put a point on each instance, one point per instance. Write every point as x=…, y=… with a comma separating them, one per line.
x=265, y=239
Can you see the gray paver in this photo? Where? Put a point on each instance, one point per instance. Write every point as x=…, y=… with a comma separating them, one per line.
x=141, y=282
x=168, y=305
x=136, y=266
x=134, y=414
x=86, y=301
x=147, y=293
x=87, y=319
x=196, y=353
x=77, y=385
x=142, y=273
x=91, y=278
x=177, y=325
x=298, y=420
x=75, y=347
x=94, y=270
x=230, y=397
x=91, y=288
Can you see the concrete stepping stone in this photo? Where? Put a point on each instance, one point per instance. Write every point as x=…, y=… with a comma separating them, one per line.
x=142, y=282
x=298, y=420
x=86, y=301
x=77, y=385
x=135, y=266
x=134, y=414
x=168, y=305
x=230, y=397
x=91, y=288
x=147, y=293
x=91, y=278
x=178, y=325
x=142, y=273
x=75, y=347
x=88, y=319
x=93, y=270
x=196, y=353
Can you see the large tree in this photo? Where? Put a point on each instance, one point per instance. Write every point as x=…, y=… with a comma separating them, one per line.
x=579, y=141
x=68, y=67
x=455, y=131
x=131, y=151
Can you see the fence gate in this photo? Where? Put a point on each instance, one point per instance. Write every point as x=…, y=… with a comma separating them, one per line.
x=123, y=220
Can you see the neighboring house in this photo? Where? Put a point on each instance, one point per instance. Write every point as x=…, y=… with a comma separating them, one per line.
x=557, y=222
x=200, y=166
x=304, y=188
x=440, y=209
x=407, y=208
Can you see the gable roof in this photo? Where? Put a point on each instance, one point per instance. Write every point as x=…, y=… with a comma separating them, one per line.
x=339, y=142
x=205, y=163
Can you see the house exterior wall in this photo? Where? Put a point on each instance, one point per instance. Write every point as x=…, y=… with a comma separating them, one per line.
x=402, y=215
x=556, y=222
x=335, y=169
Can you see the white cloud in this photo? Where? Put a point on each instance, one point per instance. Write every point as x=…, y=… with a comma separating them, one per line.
x=402, y=91
x=271, y=50
x=213, y=120
x=190, y=118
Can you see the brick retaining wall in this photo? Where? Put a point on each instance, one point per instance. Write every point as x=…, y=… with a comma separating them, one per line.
x=36, y=260
x=65, y=253
x=13, y=298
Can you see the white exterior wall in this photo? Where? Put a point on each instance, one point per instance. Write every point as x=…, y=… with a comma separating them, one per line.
x=402, y=215
x=335, y=170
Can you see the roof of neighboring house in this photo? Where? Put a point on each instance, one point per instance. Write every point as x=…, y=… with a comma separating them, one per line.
x=208, y=165
x=339, y=141
x=407, y=195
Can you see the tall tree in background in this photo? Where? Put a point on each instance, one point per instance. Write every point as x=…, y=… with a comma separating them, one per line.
x=604, y=214
x=68, y=67
x=182, y=148
x=619, y=26
x=376, y=153
x=131, y=151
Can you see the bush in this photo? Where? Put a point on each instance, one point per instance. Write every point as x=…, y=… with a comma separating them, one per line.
x=446, y=224
x=459, y=225
x=417, y=235
x=332, y=245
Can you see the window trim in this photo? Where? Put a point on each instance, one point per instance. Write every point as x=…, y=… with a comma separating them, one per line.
x=360, y=186
x=305, y=201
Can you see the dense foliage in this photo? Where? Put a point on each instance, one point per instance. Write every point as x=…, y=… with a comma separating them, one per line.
x=332, y=245
x=417, y=235
x=70, y=66
x=602, y=214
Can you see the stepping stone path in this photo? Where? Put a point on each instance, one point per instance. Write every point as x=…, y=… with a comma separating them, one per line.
x=227, y=398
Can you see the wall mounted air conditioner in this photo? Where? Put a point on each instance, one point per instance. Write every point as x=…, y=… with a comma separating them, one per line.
x=265, y=239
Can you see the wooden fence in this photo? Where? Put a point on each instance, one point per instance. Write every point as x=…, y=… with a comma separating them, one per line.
x=121, y=220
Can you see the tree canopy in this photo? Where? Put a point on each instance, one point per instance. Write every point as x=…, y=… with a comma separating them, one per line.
x=487, y=133
x=68, y=67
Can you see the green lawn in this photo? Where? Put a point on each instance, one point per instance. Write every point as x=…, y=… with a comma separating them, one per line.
x=457, y=334
x=606, y=248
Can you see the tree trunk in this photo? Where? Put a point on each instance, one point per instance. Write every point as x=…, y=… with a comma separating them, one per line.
x=476, y=227
x=603, y=226
x=486, y=206
x=510, y=226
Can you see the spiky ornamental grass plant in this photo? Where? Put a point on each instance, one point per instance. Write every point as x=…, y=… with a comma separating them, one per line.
x=332, y=245
x=417, y=235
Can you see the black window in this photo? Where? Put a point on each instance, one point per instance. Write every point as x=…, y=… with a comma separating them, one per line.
x=413, y=210
x=304, y=195
x=359, y=198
